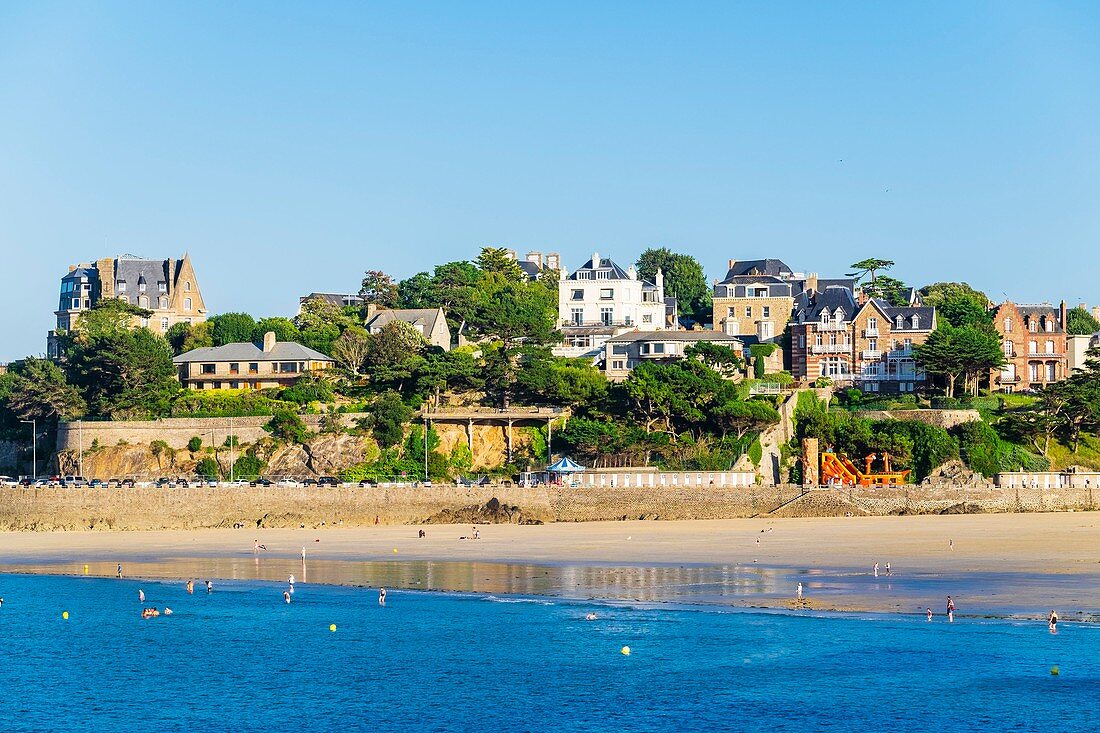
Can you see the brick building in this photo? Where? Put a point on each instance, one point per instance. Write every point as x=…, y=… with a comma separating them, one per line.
x=1034, y=341
x=869, y=346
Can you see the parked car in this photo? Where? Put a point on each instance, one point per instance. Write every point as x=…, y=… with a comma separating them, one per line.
x=127, y=483
x=309, y=482
x=8, y=481
x=97, y=484
x=286, y=482
x=28, y=482
x=366, y=484
x=260, y=482
x=328, y=481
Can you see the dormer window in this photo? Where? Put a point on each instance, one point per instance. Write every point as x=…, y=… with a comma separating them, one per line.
x=121, y=286
x=1048, y=324
x=162, y=286
x=141, y=287
x=824, y=316
x=164, y=303
x=1032, y=325
x=899, y=321
x=916, y=321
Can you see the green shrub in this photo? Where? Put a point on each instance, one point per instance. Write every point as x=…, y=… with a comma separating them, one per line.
x=306, y=390
x=208, y=468
x=286, y=425
x=195, y=444
x=248, y=466
x=388, y=417
x=756, y=452
x=988, y=454
x=230, y=441
x=226, y=403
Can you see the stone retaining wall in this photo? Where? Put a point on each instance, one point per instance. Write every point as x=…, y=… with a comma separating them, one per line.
x=152, y=508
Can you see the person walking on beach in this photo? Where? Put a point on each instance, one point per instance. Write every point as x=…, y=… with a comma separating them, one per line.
x=950, y=610
x=876, y=569
x=118, y=573
x=191, y=587
x=800, y=591
x=929, y=613
x=887, y=569
x=381, y=596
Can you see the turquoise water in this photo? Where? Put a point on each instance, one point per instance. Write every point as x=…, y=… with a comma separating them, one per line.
x=240, y=659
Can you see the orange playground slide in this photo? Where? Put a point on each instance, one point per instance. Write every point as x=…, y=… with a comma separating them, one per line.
x=837, y=469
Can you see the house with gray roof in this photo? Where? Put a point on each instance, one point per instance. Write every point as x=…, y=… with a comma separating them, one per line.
x=430, y=322
x=267, y=365
x=625, y=351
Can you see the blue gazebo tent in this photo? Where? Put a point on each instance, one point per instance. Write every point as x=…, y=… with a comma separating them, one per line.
x=565, y=465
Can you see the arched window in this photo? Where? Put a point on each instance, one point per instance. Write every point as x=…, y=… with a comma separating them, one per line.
x=143, y=301
x=916, y=321
x=1050, y=347
x=899, y=321
x=187, y=304
x=1033, y=347
x=187, y=286
x=164, y=302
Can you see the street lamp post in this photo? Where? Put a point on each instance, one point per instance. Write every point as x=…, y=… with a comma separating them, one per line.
x=34, y=447
x=232, y=453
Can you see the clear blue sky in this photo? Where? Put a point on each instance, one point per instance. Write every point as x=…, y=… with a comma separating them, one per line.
x=289, y=147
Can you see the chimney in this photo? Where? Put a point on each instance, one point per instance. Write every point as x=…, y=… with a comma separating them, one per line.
x=811, y=281
x=269, y=341
x=595, y=260
x=1096, y=312
x=1062, y=314
x=659, y=281
x=372, y=309
x=632, y=273
x=535, y=257
x=553, y=261
x=731, y=264
x=72, y=267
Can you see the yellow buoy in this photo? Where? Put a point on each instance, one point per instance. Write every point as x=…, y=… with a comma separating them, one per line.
x=85, y=569
x=626, y=651
x=1055, y=671
x=332, y=627
x=65, y=615
x=395, y=550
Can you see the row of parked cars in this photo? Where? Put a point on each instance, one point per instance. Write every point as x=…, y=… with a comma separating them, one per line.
x=183, y=482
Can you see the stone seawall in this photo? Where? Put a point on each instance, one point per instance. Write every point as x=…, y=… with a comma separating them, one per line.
x=152, y=508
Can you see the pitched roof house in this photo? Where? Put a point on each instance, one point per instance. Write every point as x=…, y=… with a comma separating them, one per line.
x=267, y=365
x=430, y=322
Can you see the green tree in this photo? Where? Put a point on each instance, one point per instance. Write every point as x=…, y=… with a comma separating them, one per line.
x=455, y=370
x=195, y=443
x=387, y=418
x=869, y=268
x=958, y=303
x=742, y=417
x=379, y=288
x=232, y=328
x=108, y=317
x=248, y=466
x=1080, y=322
x=509, y=311
x=545, y=379
x=208, y=469
x=38, y=390
x=125, y=376
x=350, y=349
x=683, y=276
x=965, y=353
x=890, y=289
x=320, y=324
x=332, y=421
x=499, y=261
x=417, y=291
x=721, y=359
x=184, y=337
x=394, y=354
x=283, y=328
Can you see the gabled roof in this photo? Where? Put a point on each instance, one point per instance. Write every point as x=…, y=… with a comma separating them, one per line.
x=529, y=268
x=775, y=268
x=425, y=317
x=79, y=272
x=281, y=351
x=926, y=316
x=134, y=271
x=669, y=336
x=808, y=307
x=617, y=273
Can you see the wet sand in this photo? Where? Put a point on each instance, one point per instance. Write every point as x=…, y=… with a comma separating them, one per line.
x=997, y=564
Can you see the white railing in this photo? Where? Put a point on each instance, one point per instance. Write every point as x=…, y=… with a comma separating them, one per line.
x=830, y=348
x=871, y=354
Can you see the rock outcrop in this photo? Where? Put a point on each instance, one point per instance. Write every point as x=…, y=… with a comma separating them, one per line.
x=492, y=512
x=955, y=474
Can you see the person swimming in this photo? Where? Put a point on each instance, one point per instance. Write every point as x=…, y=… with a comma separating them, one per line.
x=167, y=611
x=381, y=596
x=590, y=617
x=149, y=612
x=190, y=586
x=286, y=596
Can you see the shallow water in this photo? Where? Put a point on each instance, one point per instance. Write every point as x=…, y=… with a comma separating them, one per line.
x=241, y=659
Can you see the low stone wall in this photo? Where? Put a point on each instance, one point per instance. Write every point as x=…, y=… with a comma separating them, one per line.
x=1047, y=480
x=945, y=419
x=151, y=508
x=580, y=504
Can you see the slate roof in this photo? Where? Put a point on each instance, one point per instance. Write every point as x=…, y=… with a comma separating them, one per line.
x=529, y=268
x=809, y=307
x=133, y=271
x=281, y=351
x=1037, y=311
x=89, y=272
x=426, y=317
x=925, y=316
x=775, y=268
x=617, y=273
x=337, y=299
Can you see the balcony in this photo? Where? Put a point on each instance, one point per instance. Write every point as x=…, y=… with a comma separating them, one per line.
x=1010, y=379
x=831, y=349
x=871, y=354
x=567, y=323
x=1044, y=355
x=870, y=331
x=830, y=326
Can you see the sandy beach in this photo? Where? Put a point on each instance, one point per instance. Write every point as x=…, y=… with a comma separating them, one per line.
x=1000, y=564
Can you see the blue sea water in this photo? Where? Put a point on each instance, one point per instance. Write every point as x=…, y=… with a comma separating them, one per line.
x=240, y=659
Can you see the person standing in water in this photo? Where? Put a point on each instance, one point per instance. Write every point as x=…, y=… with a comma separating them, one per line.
x=190, y=587
x=950, y=610
x=209, y=587
x=887, y=569
x=1052, y=621
x=141, y=595
x=381, y=596
x=800, y=591
x=929, y=613
x=286, y=596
